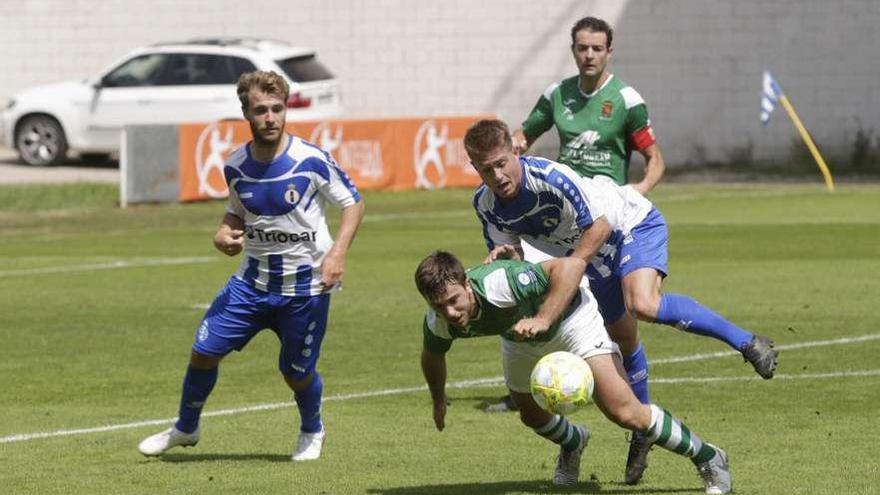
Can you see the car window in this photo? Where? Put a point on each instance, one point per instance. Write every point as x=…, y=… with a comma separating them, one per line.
x=240, y=66
x=186, y=69
x=304, y=69
x=143, y=70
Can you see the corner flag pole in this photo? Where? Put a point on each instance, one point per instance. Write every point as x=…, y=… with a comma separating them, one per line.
x=829, y=182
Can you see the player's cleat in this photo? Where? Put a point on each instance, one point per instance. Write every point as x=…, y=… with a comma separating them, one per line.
x=716, y=473
x=504, y=404
x=568, y=464
x=637, y=458
x=759, y=351
x=172, y=437
x=308, y=447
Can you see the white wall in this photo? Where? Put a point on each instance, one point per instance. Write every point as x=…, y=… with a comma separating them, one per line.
x=697, y=63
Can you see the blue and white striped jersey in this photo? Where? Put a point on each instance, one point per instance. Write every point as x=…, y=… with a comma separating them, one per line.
x=554, y=206
x=282, y=204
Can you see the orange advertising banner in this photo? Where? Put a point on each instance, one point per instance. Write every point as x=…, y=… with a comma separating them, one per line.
x=390, y=154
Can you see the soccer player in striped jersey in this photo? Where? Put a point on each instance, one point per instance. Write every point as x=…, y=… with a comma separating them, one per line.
x=601, y=120
x=615, y=229
x=279, y=187
x=538, y=309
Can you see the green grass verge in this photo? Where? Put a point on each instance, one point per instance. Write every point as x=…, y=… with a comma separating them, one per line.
x=87, y=345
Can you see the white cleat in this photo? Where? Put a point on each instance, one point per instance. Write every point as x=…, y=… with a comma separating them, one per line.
x=308, y=447
x=716, y=473
x=172, y=437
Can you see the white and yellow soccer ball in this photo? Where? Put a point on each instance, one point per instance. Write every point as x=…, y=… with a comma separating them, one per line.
x=561, y=382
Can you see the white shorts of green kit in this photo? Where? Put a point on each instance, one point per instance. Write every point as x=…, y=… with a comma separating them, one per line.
x=582, y=333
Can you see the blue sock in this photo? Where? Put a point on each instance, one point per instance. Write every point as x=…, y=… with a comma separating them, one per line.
x=308, y=401
x=636, y=366
x=686, y=314
x=197, y=385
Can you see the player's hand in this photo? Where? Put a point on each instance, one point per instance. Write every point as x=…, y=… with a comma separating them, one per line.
x=520, y=143
x=504, y=252
x=528, y=328
x=332, y=269
x=229, y=241
x=440, y=414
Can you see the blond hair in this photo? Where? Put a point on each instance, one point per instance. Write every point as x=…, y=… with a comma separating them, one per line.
x=268, y=82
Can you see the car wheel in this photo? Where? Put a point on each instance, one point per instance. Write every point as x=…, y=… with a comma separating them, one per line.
x=40, y=141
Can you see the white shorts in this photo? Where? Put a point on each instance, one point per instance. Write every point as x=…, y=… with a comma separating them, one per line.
x=582, y=333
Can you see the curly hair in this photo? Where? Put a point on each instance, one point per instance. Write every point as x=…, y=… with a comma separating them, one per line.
x=268, y=82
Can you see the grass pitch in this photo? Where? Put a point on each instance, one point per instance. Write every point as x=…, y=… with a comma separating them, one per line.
x=98, y=307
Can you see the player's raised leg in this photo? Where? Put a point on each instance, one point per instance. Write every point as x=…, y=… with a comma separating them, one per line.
x=615, y=399
x=645, y=300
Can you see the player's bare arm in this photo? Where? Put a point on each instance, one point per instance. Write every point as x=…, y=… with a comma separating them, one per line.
x=505, y=252
x=592, y=238
x=333, y=265
x=434, y=369
x=521, y=143
x=565, y=276
x=655, y=167
x=229, y=238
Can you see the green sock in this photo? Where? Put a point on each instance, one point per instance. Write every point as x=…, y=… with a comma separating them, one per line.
x=560, y=431
x=670, y=433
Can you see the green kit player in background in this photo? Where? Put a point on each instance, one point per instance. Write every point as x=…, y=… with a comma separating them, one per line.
x=600, y=120
x=538, y=309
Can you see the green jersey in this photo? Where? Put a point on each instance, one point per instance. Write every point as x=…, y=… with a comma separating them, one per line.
x=506, y=292
x=598, y=131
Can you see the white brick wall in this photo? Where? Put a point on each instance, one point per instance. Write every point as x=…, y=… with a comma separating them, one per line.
x=697, y=63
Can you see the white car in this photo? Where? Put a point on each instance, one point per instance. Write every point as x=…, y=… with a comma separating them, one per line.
x=168, y=83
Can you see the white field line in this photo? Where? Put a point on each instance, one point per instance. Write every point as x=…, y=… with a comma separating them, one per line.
x=481, y=382
x=110, y=265
x=783, y=347
x=386, y=217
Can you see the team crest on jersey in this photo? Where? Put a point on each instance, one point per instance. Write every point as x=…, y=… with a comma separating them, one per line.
x=203, y=331
x=607, y=110
x=550, y=222
x=291, y=195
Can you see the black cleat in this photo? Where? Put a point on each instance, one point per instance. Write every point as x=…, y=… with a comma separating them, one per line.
x=759, y=351
x=637, y=458
x=504, y=404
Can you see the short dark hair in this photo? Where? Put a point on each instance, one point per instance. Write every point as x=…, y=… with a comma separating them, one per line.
x=436, y=271
x=487, y=135
x=593, y=24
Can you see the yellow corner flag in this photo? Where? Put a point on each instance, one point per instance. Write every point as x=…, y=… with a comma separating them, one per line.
x=771, y=94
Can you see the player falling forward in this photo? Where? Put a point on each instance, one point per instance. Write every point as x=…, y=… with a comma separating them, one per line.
x=538, y=309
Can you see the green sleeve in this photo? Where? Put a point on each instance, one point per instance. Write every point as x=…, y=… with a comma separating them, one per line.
x=528, y=281
x=540, y=120
x=432, y=342
x=636, y=118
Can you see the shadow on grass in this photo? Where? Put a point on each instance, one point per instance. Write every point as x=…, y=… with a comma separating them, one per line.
x=542, y=486
x=183, y=458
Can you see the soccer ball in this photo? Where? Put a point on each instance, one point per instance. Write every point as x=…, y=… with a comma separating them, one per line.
x=561, y=382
